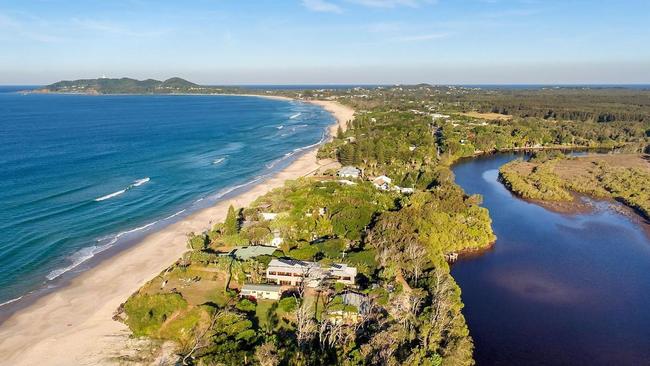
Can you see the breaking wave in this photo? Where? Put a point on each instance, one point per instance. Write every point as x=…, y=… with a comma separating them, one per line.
x=10, y=301
x=136, y=183
x=87, y=253
x=293, y=152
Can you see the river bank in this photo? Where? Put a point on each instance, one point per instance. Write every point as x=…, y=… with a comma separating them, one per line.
x=74, y=325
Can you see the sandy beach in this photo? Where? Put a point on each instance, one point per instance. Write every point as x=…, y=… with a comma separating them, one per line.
x=74, y=326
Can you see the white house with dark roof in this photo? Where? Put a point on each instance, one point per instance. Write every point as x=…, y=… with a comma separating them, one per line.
x=291, y=272
x=343, y=273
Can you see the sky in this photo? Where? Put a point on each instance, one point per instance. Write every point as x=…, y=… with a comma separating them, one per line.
x=327, y=41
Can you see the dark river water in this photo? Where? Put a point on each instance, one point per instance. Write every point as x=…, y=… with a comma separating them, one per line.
x=556, y=289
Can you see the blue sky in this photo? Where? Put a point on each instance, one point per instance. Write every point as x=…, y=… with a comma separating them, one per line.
x=327, y=41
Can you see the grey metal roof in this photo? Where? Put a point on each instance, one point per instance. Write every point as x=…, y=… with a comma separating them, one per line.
x=253, y=251
x=267, y=288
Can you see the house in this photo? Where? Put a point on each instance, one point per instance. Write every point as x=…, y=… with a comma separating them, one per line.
x=359, y=300
x=292, y=272
x=245, y=253
x=439, y=115
x=382, y=182
x=268, y=216
x=259, y=292
x=343, y=273
x=349, y=172
x=277, y=239
x=350, y=309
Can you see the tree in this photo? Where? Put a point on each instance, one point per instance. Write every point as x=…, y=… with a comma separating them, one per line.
x=305, y=325
x=202, y=336
x=346, y=154
x=198, y=242
x=267, y=354
x=417, y=258
x=339, y=133
x=231, y=225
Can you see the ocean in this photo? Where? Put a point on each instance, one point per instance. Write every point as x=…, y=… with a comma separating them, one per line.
x=83, y=175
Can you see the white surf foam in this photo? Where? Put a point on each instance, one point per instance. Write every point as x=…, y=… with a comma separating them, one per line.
x=85, y=254
x=77, y=258
x=218, y=161
x=286, y=156
x=280, y=127
x=140, y=182
x=174, y=215
x=136, y=183
x=10, y=301
x=295, y=116
x=114, y=194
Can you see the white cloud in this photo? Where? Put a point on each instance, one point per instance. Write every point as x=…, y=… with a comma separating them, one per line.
x=322, y=6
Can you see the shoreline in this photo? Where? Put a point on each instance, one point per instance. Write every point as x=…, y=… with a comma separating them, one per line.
x=74, y=325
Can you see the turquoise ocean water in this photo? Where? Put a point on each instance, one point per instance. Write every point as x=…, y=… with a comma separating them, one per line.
x=84, y=175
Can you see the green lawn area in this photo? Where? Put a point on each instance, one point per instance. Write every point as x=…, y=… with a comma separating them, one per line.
x=262, y=310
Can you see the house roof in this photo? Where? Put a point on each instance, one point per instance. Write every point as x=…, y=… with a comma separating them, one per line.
x=291, y=263
x=253, y=251
x=349, y=170
x=344, y=268
x=353, y=298
x=267, y=288
x=382, y=179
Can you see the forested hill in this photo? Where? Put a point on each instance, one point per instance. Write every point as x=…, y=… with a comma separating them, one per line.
x=130, y=86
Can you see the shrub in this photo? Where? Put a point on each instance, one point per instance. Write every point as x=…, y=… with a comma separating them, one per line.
x=146, y=313
x=288, y=304
x=246, y=306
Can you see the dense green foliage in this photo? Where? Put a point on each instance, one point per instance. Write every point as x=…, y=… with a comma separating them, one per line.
x=133, y=86
x=538, y=180
x=123, y=85
x=147, y=313
x=540, y=184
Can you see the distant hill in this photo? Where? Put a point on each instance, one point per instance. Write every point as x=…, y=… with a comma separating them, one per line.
x=127, y=86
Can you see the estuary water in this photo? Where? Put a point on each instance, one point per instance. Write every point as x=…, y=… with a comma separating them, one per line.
x=556, y=289
x=80, y=175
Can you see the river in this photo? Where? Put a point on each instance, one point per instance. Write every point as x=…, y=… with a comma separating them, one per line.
x=556, y=289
